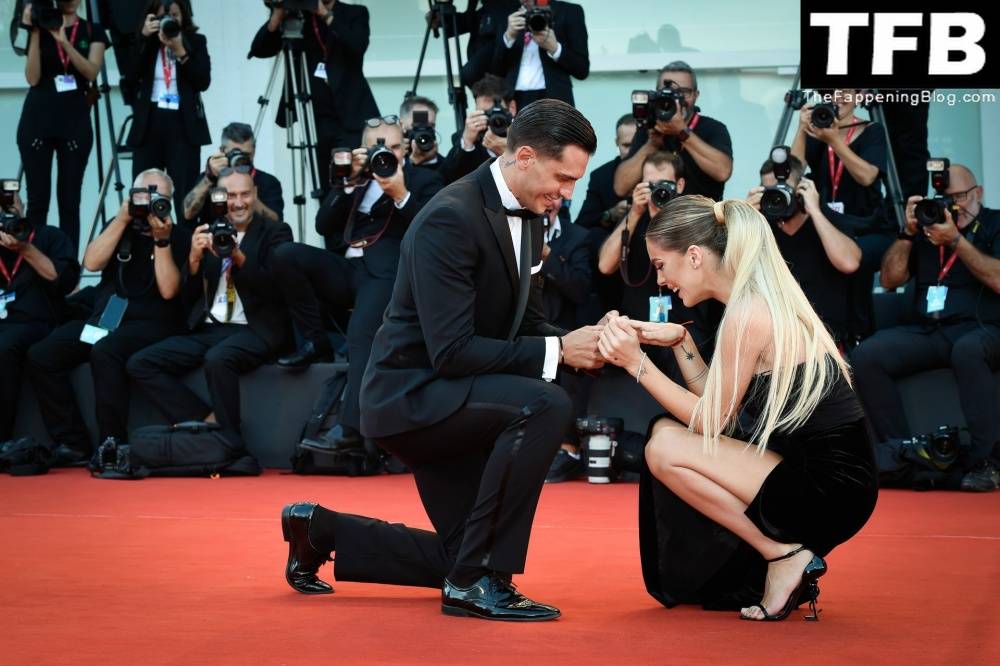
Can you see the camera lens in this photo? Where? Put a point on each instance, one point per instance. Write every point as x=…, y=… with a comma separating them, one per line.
x=599, y=452
x=661, y=192
x=823, y=115
x=498, y=120
x=929, y=211
x=170, y=27
x=665, y=106
x=223, y=237
x=161, y=207
x=381, y=161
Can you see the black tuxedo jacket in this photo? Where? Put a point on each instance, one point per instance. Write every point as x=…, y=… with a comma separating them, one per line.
x=381, y=258
x=568, y=275
x=571, y=31
x=193, y=79
x=451, y=311
x=261, y=297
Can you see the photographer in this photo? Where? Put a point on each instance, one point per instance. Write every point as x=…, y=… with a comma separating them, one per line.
x=426, y=156
x=538, y=64
x=237, y=321
x=37, y=270
x=819, y=255
x=482, y=25
x=137, y=304
x=62, y=63
x=370, y=216
x=494, y=99
x=236, y=151
x=642, y=298
x=956, y=307
x=170, y=68
x=702, y=142
x=334, y=41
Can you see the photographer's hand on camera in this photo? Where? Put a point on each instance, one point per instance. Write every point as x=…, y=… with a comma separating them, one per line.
x=498, y=144
x=216, y=163
x=201, y=241
x=359, y=161
x=810, y=196
x=475, y=124
x=943, y=234
x=516, y=24
x=579, y=348
x=395, y=185
x=754, y=196
x=151, y=25
x=26, y=17
x=640, y=204
x=546, y=40
x=912, y=226
x=159, y=229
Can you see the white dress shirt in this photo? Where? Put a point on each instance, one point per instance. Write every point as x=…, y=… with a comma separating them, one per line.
x=372, y=194
x=219, y=304
x=508, y=200
x=531, y=76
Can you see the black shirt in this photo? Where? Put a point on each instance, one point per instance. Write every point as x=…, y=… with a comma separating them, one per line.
x=138, y=280
x=968, y=298
x=696, y=181
x=38, y=300
x=858, y=200
x=825, y=287
x=268, y=191
x=50, y=114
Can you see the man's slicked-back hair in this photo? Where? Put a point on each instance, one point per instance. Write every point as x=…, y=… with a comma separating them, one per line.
x=548, y=126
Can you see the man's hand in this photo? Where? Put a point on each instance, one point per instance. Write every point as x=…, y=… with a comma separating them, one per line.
x=606, y=318
x=26, y=16
x=619, y=344
x=677, y=123
x=160, y=229
x=810, y=195
x=495, y=143
x=545, y=251
x=661, y=334
x=912, y=226
x=516, y=24
x=359, y=159
x=944, y=233
x=475, y=125
x=640, y=201
x=11, y=243
x=201, y=241
x=546, y=40
x=754, y=196
x=321, y=10
x=394, y=185
x=277, y=18
x=216, y=163
x=60, y=36
x=579, y=348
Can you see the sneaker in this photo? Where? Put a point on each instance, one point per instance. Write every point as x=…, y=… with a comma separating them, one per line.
x=565, y=466
x=983, y=478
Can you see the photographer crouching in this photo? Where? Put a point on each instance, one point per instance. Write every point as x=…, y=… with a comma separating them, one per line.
x=38, y=267
x=237, y=321
x=377, y=198
x=951, y=246
x=236, y=152
x=485, y=133
x=140, y=255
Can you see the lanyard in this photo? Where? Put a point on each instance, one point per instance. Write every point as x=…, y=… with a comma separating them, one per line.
x=8, y=274
x=945, y=267
x=168, y=67
x=319, y=37
x=837, y=174
x=694, y=121
x=63, y=56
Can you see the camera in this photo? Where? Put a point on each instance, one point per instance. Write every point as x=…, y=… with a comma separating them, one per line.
x=169, y=26
x=780, y=202
x=382, y=162
x=422, y=132
x=940, y=448
x=145, y=201
x=498, y=118
x=223, y=231
x=14, y=225
x=340, y=165
x=600, y=435
x=112, y=460
x=931, y=211
x=538, y=18
x=292, y=5
x=824, y=115
x=238, y=158
x=8, y=190
x=46, y=15
x=661, y=192
x=652, y=106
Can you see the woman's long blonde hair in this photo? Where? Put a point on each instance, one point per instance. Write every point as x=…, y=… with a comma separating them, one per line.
x=742, y=237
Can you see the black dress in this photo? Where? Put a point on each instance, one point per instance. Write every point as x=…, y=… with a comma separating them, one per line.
x=820, y=494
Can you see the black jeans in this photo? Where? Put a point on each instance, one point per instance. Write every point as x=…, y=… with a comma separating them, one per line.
x=479, y=473
x=71, y=164
x=166, y=147
x=51, y=361
x=971, y=351
x=314, y=281
x=15, y=339
x=226, y=351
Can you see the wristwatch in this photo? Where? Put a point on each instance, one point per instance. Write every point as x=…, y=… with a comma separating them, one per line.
x=684, y=135
x=161, y=242
x=902, y=235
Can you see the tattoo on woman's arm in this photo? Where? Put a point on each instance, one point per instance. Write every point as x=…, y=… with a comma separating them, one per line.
x=687, y=355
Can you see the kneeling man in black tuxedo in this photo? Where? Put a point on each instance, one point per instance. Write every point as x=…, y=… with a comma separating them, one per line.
x=459, y=384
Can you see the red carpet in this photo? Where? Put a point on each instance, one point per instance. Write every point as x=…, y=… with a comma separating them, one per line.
x=189, y=571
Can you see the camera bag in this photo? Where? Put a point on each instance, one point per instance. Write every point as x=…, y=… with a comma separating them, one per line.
x=25, y=457
x=192, y=448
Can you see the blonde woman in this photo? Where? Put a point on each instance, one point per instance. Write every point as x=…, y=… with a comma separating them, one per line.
x=801, y=479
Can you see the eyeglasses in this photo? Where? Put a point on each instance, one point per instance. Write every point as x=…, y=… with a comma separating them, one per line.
x=961, y=197
x=384, y=120
x=685, y=92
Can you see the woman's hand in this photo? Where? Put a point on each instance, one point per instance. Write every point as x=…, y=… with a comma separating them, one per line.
x=151, y=26
x=661, y=334
x=26, y=16
x=619, y=344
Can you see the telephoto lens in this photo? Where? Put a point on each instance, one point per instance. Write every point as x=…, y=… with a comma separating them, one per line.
x=223, y=237
x=931, y=211
x=169, y=27
x=538, y=18
x=160, y=206
x=599, y=453
x=662, y=191
x=498, y=118
x=238, y=158
x=381, y=161
x=824, y=115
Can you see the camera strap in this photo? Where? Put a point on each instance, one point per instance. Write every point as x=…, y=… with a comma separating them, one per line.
x=946, y=267
x=9, y=274
x=365, y=241
x=837, y=166
x=168, y=68
x=319, y=37
x=623, y=264
x=63, y=56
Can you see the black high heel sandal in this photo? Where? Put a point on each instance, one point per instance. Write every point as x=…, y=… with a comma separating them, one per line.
x=807, y=590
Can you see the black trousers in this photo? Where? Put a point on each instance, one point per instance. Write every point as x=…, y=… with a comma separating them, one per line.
x=479, y=474
x=72, y=155
x=861, y=315
x=166, y=147
x=314, y=281
x=972, y=352
x=15, y=339
x=51, y=361
x=225, y=350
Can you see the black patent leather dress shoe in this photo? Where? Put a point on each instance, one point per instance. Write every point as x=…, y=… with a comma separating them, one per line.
x=306, y=355
x=303, y=560
x=67, y=456
x=334, y=441
x=493, y=598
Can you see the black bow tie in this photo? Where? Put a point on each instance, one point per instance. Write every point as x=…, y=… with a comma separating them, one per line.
x=522, y=213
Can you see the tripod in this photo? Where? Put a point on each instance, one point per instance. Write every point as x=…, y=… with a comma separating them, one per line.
x=297, y=103
x=442, y=12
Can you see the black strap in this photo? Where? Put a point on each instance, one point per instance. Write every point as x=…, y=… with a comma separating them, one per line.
x=524, y=287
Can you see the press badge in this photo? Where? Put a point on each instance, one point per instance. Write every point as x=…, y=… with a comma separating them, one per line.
x=65, y=83
x=110, y=319
x=935, y=298
x=320, y=72
x=659, y=308
x=5, y=298
x=836, y=206
x=169, y=102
